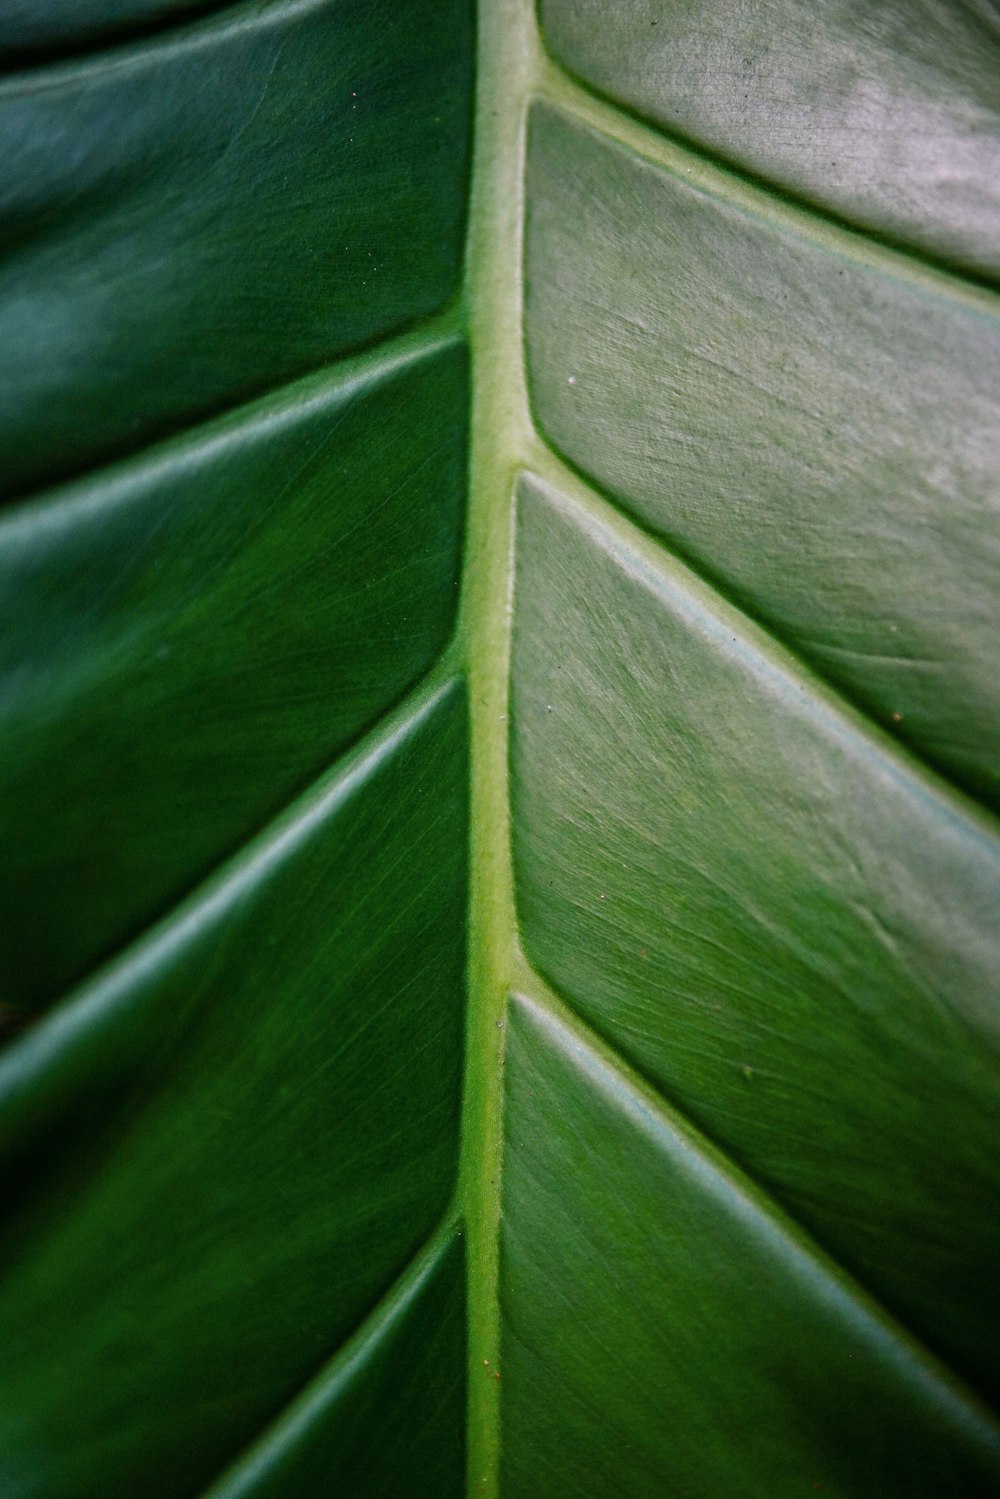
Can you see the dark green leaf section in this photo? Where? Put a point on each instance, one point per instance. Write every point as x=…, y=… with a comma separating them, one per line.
x=666, y=1333
x=793, y=933
x=220, y=1156
x=30, y=26
x=194, y=219
x=819, y=436
x=887, y=115
x=387, y=1418
x=189, y=639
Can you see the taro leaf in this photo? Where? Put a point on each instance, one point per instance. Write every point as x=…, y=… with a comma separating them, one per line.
x=709, y=930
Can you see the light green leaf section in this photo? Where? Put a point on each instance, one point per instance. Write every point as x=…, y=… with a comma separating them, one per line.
x=818, y=434
x=789, y=929
x=887, y=115
x=218, y=1156
x=387, y=1417
x=190, y=638
x=665, y=1332
x=767, y=903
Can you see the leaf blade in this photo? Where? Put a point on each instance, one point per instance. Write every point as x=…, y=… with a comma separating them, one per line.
x=794, y=940
x=254, y=1125
x=613, y=1210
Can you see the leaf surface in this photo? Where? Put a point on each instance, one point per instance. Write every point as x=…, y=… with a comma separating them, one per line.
x=225, y=1151
x=498, y=749
x=758, y=1373
x=234, y=779
x=817, y=433
x=216, y=623
x=287, y=189
x=28, y=29
x=335, y=1434
x=888, y=116
x=789, y=933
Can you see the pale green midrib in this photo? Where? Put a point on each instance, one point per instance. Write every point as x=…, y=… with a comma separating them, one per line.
x=99, y=998
x=530, y=982
x=268, y=1447
x=508, y=66
x=760, y=198
x=361, y=366
x=856, y=1300
x=902, y=759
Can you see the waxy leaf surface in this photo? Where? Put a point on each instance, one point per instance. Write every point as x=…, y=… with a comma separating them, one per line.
x=499, y=749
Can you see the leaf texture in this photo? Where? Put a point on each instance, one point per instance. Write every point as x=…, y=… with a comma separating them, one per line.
x=225, y=1150
x=28, y=29
x=388, y=1416
x=757, y=1372
x=818, y=434
x=888, y=116
x=498, y=749
x=234, y=729
x=794, y=937
x=288, y=188
x=774, y=505
x=216, y=623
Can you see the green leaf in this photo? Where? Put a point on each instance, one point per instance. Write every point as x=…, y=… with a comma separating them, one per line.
x=414, y=1343
x=696, y=1343
x=814, y=989
x=192, y=220
x=215, y=624
x=501, y=869
x=888, y=117
x=752, y=380
x=256, y=1103
x=26, y=28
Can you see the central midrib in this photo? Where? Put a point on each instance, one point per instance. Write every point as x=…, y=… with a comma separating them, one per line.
x=509, y=65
